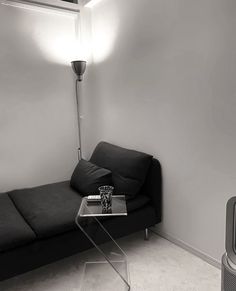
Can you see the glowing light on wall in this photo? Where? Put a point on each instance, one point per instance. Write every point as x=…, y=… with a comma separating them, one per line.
x=55, y=32
x=60, y=40
x=92, y=3
x=104, y=32
x=59, y=47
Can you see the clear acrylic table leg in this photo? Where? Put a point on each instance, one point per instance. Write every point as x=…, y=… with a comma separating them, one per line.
x=110, y=271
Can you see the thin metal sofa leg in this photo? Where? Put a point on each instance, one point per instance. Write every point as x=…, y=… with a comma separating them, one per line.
x=146, y=234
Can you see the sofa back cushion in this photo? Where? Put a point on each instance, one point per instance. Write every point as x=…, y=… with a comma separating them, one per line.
x=87, y=178
x=129, y=167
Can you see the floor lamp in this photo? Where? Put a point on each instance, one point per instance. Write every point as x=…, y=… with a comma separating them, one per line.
x=79, y=69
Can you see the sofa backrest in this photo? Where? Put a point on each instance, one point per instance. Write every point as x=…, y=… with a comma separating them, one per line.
x=129, y=167
x=133, y=172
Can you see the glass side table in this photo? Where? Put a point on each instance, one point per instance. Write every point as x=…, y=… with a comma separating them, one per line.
x=110, y=270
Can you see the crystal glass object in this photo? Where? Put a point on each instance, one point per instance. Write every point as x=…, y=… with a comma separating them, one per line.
x=106, y=197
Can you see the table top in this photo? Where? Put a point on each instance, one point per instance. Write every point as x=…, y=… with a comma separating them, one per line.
x=92, y=209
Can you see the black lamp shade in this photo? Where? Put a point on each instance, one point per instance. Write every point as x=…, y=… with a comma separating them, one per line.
x=79, y=68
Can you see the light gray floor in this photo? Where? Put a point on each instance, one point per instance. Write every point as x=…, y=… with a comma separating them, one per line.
x=155, y=265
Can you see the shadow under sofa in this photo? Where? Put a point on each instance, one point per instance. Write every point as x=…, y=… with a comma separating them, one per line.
x=37, y=225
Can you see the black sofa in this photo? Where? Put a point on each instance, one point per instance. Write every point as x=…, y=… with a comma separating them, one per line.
x=37, y=225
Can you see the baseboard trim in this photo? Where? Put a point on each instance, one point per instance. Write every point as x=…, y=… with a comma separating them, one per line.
x=188, y=248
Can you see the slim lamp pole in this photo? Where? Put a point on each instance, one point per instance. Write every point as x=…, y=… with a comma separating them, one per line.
x=79, y=69
x=78, y=119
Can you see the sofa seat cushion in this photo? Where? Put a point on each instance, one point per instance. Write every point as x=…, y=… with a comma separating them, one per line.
x=129, y=167
x=49, y=209
x=14, y=231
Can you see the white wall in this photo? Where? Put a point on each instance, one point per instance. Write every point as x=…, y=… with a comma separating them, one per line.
x=164, y=83
x=38, y=134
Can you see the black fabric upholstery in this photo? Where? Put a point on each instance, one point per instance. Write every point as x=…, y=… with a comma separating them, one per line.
x=129, y=168
x=137, y=202
x=87, y=178
x=45, y=251
x=152, y=188
x=45, y=229
x=14, y=231
x=48, y=209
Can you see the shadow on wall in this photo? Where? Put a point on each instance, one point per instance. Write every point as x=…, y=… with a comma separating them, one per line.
x=105, y=30
x=23, y=63
x=166, y=63
x=37, y=106
x=169, y=88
